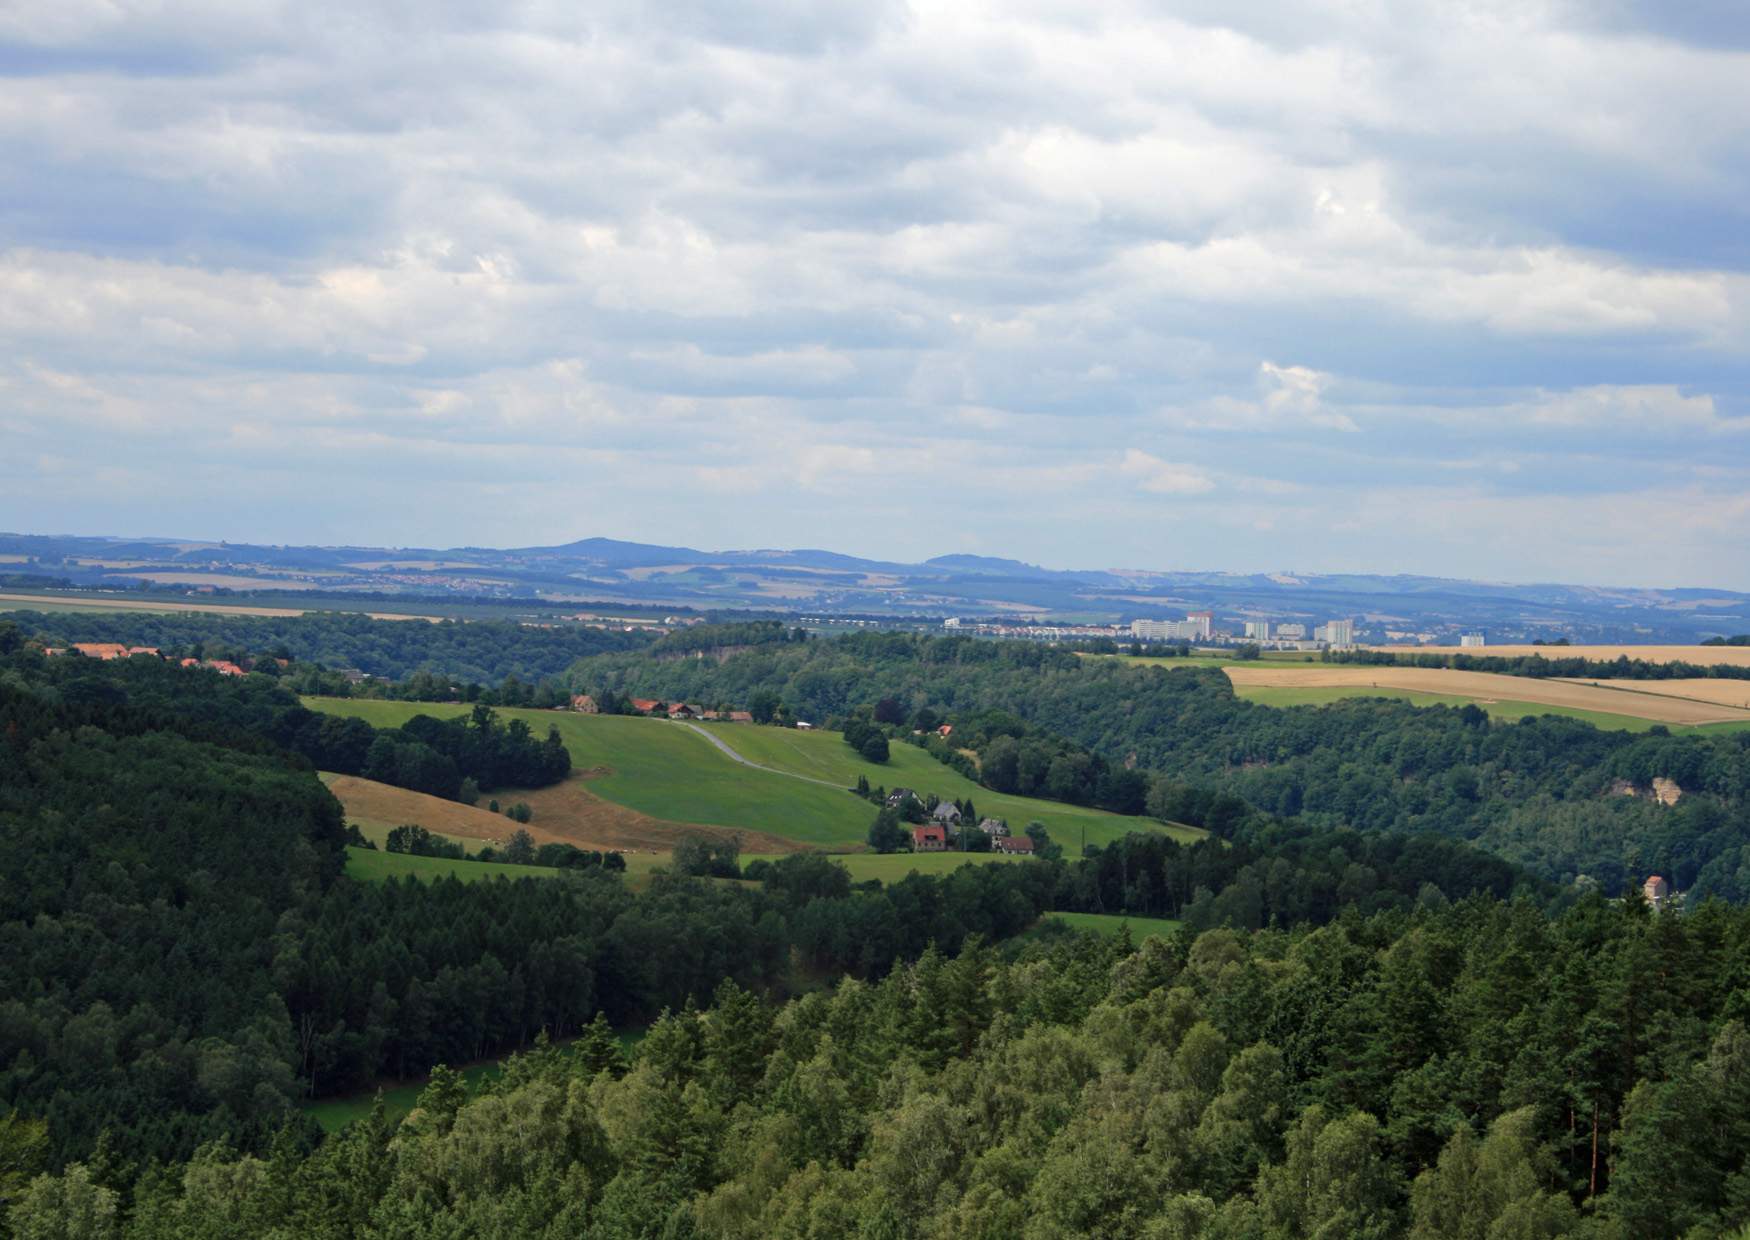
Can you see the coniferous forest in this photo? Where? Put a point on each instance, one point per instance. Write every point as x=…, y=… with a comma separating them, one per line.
x=1365, y=1025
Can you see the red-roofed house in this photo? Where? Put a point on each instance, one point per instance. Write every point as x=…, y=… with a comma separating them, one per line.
x=740, y=716
x=224, y=667
x=929, y=839
x=101, y=650
x=645, y=706
x=947, y=729
x=1656, y=890
x=1022, y=844
x=584, y=704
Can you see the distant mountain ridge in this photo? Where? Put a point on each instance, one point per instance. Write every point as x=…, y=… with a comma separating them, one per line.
x=812, y=580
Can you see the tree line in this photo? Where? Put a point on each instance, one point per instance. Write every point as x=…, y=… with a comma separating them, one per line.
x=481, y=652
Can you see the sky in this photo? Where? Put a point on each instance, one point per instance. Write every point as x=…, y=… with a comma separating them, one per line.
x=1427, y=287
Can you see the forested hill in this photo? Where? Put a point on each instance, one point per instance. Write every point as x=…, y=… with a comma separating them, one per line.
x=1538, y=792
x=476, y=651
x=1474, y=1072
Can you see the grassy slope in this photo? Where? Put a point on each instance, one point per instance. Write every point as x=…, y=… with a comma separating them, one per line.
x=824, y=755
x=670, y=772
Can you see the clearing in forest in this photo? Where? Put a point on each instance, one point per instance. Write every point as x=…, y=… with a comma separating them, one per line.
x=645, y=783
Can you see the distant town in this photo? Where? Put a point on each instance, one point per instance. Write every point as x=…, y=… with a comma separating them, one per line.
x=1200, y=628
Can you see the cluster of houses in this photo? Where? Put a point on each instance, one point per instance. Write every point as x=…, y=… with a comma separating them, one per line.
x=584, y=704
x=945, y=825
x=112, y=650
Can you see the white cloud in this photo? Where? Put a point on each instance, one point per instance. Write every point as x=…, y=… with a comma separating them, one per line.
x=1160, y=477
x=804, y=254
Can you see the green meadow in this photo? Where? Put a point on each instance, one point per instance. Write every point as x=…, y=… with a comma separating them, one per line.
x=1109, y=923
x=891, y=867
x=373, y=866
x=670, y=771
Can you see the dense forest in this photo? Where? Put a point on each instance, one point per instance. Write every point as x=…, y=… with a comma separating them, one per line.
x=1463, y=1070
x=481, y=652
x=1544, y=792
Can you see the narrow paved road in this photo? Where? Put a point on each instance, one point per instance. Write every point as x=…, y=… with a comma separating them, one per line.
x=735, y=757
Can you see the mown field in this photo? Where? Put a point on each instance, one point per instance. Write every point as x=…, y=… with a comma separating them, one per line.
x=1503, y=696
x=1324, y=695
x=673, y=774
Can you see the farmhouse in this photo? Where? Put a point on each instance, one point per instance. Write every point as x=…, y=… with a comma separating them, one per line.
x=646, y=706
x=948, y=814
x=740, y=716
x=584, y=704
x=1021, y=844
x=899, y=796
x=680, y=710
x=996, y=828
x=929, y=839
x=1656, y=890
x=102, y=650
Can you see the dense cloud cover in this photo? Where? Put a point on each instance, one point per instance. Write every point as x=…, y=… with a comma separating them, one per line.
x=1422, y=287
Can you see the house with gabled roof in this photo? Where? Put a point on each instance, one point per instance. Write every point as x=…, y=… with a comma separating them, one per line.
x=930, y=838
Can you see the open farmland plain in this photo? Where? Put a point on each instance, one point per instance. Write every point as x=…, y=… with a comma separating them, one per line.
x=643, y=784
x=1504, y=696
x=1721, y=691
x=1704, y=656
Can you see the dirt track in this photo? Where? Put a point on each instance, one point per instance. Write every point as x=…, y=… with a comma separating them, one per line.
x=1491, y=687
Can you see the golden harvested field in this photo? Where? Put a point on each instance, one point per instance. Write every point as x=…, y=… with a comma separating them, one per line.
x=1721, y=692
x=566, y=813
x=1703, y=655
x=67, y=602
x=1487, y=687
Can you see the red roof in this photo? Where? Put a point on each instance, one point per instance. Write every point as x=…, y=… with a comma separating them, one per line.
x=945, y=729
x=1015, y=843
x=921, y=834
x=645, y=705
x=101, y=650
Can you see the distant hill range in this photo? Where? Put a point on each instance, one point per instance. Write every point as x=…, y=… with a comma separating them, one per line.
x=816, y=582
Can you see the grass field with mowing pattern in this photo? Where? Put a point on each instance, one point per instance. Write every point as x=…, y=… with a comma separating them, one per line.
x=669, y=771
